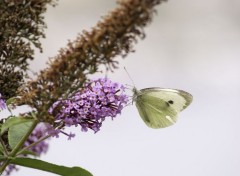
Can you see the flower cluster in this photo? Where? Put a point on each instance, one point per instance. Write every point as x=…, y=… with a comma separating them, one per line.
x=9, y=169
x=38, y=133
x=38, y=149
x=90, y=106
x=2, y=103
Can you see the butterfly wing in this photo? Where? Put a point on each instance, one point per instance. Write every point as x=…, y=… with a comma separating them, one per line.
x=159, y=107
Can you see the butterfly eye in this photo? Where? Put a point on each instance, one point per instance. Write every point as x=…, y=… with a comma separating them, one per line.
x=170, y=102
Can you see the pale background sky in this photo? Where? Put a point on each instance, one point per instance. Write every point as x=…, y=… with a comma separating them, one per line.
x=191, y=45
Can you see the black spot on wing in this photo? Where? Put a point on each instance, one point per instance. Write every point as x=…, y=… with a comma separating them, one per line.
x=169, y=103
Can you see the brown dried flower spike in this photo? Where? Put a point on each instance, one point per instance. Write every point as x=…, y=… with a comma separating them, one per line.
x=68, y=71
x=21, y=26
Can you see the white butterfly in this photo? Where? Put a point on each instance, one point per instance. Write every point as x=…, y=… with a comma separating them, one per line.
x=159, y=107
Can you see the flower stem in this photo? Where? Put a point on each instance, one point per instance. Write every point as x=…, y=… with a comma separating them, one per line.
x=33, y=144
x=5, y=152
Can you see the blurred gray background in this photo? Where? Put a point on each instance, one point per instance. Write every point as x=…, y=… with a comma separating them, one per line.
x=190, y=45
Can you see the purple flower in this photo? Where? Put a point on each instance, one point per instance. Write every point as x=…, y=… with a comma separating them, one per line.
x=2, y=103
x=90, y=106
x=70, y=136
x=9, y=169
x=38, y=132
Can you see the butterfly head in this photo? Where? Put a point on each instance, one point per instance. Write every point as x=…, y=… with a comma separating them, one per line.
x=135, y=94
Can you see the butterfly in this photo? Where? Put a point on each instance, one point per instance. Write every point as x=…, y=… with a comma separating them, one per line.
x=159, y=107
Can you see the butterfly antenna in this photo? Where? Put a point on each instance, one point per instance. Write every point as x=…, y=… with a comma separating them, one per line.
x=129, y=86
x=129, y=76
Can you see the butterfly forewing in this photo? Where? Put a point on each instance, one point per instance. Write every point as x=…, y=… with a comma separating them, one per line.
x=159, y=107
x=178, y=99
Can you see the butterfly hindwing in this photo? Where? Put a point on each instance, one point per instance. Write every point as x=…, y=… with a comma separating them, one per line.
x=155, y=112
x=159, y=107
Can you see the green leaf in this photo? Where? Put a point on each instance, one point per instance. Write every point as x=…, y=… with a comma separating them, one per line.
x=49, y=167
x=10, y=101
x=1, y=149
x=13, y=121
x=17, y=132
